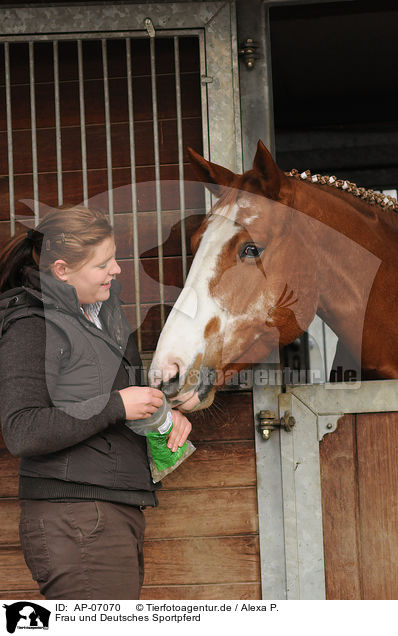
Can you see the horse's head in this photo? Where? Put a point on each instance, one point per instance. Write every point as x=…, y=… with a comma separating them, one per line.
x=250, y=289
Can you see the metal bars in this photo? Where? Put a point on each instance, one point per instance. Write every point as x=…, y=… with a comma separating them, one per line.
x=180, y=158
x=82, y=121
x=134, y=195
x=157, y=177
x=61, y=178
x=9, y=139
x=108, y=131
x=58, y=124
x=34, y=133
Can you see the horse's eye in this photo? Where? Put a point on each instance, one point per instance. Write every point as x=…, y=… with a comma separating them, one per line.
x=251, y=251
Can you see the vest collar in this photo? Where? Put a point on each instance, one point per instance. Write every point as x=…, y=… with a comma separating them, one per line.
x=53, y=292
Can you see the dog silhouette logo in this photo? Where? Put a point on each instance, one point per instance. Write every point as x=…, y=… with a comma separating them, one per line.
x=26, y=615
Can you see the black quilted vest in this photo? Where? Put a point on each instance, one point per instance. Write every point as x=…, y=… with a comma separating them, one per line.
x=96, y=363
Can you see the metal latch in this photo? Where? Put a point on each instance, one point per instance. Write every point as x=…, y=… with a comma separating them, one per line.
x=206, y=79
x=268, y=423
x=248, y=51
x=149, y=27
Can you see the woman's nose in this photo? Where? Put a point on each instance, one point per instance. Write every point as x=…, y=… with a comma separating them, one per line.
x=115, y=269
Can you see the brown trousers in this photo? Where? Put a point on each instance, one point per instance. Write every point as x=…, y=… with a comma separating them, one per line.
x=85, y=549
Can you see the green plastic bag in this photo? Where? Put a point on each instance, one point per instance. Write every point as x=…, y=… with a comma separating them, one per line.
x=157, y=429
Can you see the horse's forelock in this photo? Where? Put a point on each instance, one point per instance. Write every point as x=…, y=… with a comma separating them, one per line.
x=229, y=202
x=226, y=202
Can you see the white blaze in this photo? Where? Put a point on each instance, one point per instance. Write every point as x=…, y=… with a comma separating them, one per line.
x=182, y=337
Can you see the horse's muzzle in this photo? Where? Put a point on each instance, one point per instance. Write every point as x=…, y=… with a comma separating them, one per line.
x=204, y=385
x=171, y=387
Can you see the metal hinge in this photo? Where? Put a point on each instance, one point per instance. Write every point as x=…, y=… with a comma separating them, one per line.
x=268, y=423
x=327, y=424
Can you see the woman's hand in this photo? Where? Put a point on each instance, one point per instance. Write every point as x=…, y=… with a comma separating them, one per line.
x=140, y=401
x=180, y=431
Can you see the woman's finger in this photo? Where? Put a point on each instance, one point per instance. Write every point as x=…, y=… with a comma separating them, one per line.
x=156, y=393
x=179, y=440
x=156, y=402
x=180, y=431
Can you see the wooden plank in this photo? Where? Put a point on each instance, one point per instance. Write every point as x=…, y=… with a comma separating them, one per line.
x=94, y=101
x=146, y=197
x=171, y=229
x=16, y=581
x=14, y=574
x=169, y=562
x=212, y=465
x=203, y=513
x=8, y=474
x=149, y=274
x=215, y=465
x=22, y=594
x=201, y=592
x=238, y=591
x=340, y=511
x=202, y=561
x=377, y=440
x=96, y=145
x=229, y=418
x=9, y=522
x=23, y=189
x=97, y=182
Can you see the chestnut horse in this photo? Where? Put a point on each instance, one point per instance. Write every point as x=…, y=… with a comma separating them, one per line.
x=276, y=249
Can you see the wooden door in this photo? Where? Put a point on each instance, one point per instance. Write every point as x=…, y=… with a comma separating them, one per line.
x=202, y=540
x=338, y=488
x=360, y=511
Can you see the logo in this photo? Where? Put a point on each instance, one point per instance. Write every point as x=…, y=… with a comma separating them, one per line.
x=26, y=615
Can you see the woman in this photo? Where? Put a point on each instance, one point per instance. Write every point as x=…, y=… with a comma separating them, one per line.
x=70, y=376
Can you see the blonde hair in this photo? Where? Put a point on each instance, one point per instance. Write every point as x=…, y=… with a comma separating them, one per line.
x=67, y=233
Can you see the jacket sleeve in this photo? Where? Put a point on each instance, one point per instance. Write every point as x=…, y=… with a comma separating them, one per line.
x=31, y=424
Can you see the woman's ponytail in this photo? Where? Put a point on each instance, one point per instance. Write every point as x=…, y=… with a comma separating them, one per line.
x=17, y=254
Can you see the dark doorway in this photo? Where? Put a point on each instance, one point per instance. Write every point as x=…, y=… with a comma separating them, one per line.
x=335, y=72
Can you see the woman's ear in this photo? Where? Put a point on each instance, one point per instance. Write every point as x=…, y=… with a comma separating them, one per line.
x=59, y=270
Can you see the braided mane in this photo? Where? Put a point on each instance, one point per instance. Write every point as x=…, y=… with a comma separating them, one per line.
x=372, y=197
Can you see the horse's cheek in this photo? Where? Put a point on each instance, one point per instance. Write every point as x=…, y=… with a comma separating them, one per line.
x=239, y=288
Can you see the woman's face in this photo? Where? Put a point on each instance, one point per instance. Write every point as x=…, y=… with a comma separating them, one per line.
x=92, y=281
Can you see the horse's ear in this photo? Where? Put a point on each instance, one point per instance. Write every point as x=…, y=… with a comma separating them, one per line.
x=266, y=168
x=215, y=177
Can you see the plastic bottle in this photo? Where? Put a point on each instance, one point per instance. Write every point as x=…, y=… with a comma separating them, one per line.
x=158, y=420
x=156, y=429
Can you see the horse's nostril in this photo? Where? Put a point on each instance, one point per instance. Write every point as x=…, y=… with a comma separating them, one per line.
x=170, y=387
